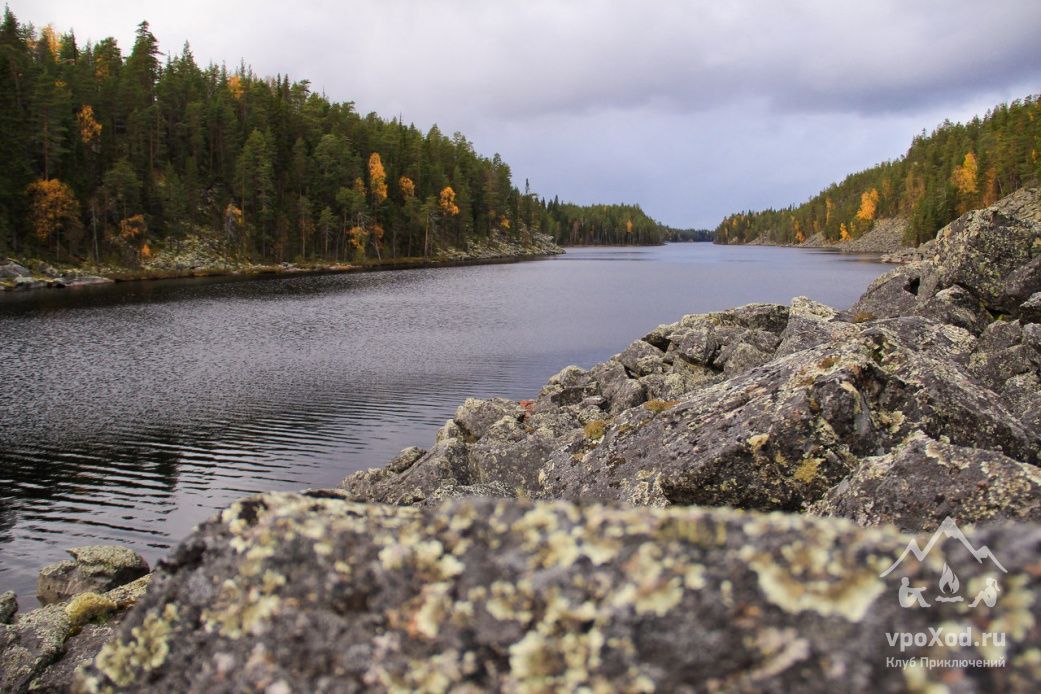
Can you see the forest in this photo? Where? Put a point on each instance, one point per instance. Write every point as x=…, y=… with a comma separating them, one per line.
x=956, y=168
x=108, y=157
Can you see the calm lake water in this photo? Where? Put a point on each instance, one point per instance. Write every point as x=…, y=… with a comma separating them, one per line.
x=131, y=412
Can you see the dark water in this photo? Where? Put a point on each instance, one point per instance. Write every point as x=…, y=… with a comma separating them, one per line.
x=129, y=413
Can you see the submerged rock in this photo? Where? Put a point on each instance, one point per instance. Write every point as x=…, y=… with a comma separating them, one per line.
x=294, y=592
x=93, y=568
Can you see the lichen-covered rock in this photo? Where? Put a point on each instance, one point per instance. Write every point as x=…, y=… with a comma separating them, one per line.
x=896, y=293
x=94, y=568
x=1030, y=310
x=312, y=593
x=956, y=306
x=811, y=324
x=981, y=249
x=8, y=606
x=779, y=437
x=41, y=648
x=476, y=416
x=923, y=481
x=1021, y=285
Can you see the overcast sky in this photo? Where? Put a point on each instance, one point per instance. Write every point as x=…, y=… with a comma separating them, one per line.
x=691, y=109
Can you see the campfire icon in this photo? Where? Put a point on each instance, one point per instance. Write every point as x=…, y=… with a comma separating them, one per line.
x=948, y=584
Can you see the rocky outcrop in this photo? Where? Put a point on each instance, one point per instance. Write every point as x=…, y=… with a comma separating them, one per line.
x=502, y=245
x=886, y=236
x=41, y=649
x=308, y=592
x=923, y=481
x=95, y=568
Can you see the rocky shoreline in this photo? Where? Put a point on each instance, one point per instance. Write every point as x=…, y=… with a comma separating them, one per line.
x=194, y=262
x=718, y=507
x=886, y=237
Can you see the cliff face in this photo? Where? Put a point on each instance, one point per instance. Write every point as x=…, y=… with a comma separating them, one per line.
x=720, y=506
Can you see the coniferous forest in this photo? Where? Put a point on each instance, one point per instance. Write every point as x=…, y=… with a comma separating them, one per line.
x=111, y=156
x=957, y=168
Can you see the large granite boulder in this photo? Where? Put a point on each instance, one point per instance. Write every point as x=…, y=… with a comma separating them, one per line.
x=924, y=481
x=288, y=592
x=94, y=568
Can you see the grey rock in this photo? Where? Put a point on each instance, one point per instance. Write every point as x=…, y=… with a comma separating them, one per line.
x=476, y=416
x=956, y=306
x=1030, y=310
x=1022, y=284
x=923, y=481
x=30, y=645
x=811, y=324
x=406, y=459
x=42, y=648
x=642, y=359
x=779, y=437
x=94, y=568
x=896, y=293
x=616, y=386
x=8, y=606
x=310, y=593
x=11, y=269
x=982, y=249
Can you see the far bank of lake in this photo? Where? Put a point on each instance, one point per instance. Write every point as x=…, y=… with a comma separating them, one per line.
x=134, y=410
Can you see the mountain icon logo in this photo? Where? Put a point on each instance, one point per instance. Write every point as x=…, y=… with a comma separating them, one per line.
x=949, y=584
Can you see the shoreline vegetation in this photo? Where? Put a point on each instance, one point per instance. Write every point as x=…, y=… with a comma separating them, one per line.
x=957, y=168
x=113, y=159
x=15, y=276
x=728, y=485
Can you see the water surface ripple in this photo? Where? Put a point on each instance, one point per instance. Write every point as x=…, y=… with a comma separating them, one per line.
x=131, y=412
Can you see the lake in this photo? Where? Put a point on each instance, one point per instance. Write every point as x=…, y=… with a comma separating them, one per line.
x=131, y=412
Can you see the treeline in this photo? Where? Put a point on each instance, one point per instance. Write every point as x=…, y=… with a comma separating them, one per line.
x=577, y=225
x=107, y=157
x=691, y=234
x=957, y=168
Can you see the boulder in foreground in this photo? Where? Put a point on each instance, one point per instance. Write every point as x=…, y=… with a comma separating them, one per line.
x=287, y=592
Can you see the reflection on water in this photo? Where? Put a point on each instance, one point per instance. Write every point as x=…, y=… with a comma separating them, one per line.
x=132, y=412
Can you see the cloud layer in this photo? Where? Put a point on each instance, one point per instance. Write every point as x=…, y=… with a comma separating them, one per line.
x=693, y=109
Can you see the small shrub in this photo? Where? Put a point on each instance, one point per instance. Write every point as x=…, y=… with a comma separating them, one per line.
x=657, y=406
x=863, y=316
x=595, y=429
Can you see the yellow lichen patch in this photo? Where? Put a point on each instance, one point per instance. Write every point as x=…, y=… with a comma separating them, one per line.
x=807, y=470
x=848, y=595
x=694, y=577
x=393, y=557
x=757, y=441
x=508, y=602
x=700, y=532
x=88, y=606
x=432, y=610
x=147, y=650
x=659, y=597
